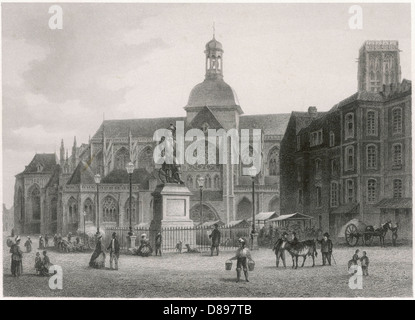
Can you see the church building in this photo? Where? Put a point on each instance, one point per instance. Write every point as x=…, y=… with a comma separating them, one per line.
x=59, y=195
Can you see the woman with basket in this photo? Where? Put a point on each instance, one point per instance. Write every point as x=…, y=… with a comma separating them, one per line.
x=242, y=255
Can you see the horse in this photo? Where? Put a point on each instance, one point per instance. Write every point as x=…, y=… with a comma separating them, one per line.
x=380, y=232
x=303, y=249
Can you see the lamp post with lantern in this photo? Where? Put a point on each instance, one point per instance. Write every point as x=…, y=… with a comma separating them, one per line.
x=97, y=179
x=201, y=184
x=254, y=235
x=84, y=213
x=131, y=237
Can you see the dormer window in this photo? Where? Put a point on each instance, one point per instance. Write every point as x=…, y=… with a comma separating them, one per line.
x=39, y=167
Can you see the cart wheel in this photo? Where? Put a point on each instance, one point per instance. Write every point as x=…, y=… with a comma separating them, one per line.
x=351, y=235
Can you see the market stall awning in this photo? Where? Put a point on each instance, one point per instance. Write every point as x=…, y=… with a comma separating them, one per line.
x=263, y=216
x=346, y=208
x=395, y=203
x=292, y=216
x=238, y=223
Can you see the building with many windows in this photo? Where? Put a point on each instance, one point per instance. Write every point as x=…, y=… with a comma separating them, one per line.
x=59, y=195
x=355, y=160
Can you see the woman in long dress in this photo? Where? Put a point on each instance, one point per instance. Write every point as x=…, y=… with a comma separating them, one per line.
x=145, y=249
x=28, y=245
x=98, y=256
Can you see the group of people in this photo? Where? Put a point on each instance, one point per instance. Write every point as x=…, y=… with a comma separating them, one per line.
x=42, y=265
x=325, y=243
x=356, y=262
x=98, y=257
x=43, y=243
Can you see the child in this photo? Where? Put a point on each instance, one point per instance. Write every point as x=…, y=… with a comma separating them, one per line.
x=38, y=263
x=365, y=264
x=45, y=264
x=243, y=255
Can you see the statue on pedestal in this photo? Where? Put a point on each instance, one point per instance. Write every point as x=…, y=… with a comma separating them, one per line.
x=170, y=172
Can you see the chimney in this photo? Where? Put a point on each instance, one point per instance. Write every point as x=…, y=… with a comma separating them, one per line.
x=312, y=111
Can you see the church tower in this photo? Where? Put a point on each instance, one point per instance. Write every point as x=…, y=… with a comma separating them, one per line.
x=379, y=65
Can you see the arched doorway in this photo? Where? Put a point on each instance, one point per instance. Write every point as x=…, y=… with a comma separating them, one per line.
x=244, y=209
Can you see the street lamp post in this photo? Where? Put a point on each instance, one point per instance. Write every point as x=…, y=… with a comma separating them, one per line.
x=97, y=179
x=84, y=226
x=253, y=174
x=130, y=170
x=201, y=183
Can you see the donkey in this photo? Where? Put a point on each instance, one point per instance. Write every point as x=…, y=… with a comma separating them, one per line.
x=303, y=249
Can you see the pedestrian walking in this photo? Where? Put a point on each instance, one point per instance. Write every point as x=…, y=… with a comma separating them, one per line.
x=215, y=236
x=159, y=240
x=41, y=243
x=114, y=248
x=242, y=255
x=326, y=249
x=46, y=240
x=28, y=245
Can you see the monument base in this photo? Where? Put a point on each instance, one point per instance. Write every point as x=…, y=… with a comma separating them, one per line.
x=171, y=216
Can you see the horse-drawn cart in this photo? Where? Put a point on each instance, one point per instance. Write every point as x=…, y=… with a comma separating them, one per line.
x=356, y=229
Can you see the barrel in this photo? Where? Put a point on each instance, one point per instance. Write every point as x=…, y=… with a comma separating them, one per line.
x=228, y=265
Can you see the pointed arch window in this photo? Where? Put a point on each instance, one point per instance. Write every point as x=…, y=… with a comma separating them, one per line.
x=35, y=202
x=110, y=209
x=89, y=210
x=349, y=161
x=217, y=182
x=72, y=210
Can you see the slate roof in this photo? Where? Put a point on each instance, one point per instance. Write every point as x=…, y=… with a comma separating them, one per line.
x=271, y=124
x=303, y=119
x=139, y=127
x=82, y=174
x=120, y=176
x=46, y=160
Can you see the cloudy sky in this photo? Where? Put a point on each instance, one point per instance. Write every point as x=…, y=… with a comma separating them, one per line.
x=142, y=60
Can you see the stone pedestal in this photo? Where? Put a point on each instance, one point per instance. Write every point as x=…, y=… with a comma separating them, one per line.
x=171, y=205
x=131, y=241
x=254, y=241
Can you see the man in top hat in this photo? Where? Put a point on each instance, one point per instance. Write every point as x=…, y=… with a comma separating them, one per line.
x=17, y=256
x=114, y=249
x=215, y=236
x=326, y=248
x=279, y=249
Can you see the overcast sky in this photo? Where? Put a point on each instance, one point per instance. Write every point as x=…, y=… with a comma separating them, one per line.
x=142, y=60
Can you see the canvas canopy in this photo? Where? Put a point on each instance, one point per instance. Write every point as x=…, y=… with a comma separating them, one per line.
x=263, y=216
x=291, y=217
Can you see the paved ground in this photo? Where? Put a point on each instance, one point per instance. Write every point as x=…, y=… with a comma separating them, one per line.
x=199, y=275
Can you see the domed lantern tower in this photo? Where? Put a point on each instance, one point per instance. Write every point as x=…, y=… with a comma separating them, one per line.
x=214, y=59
